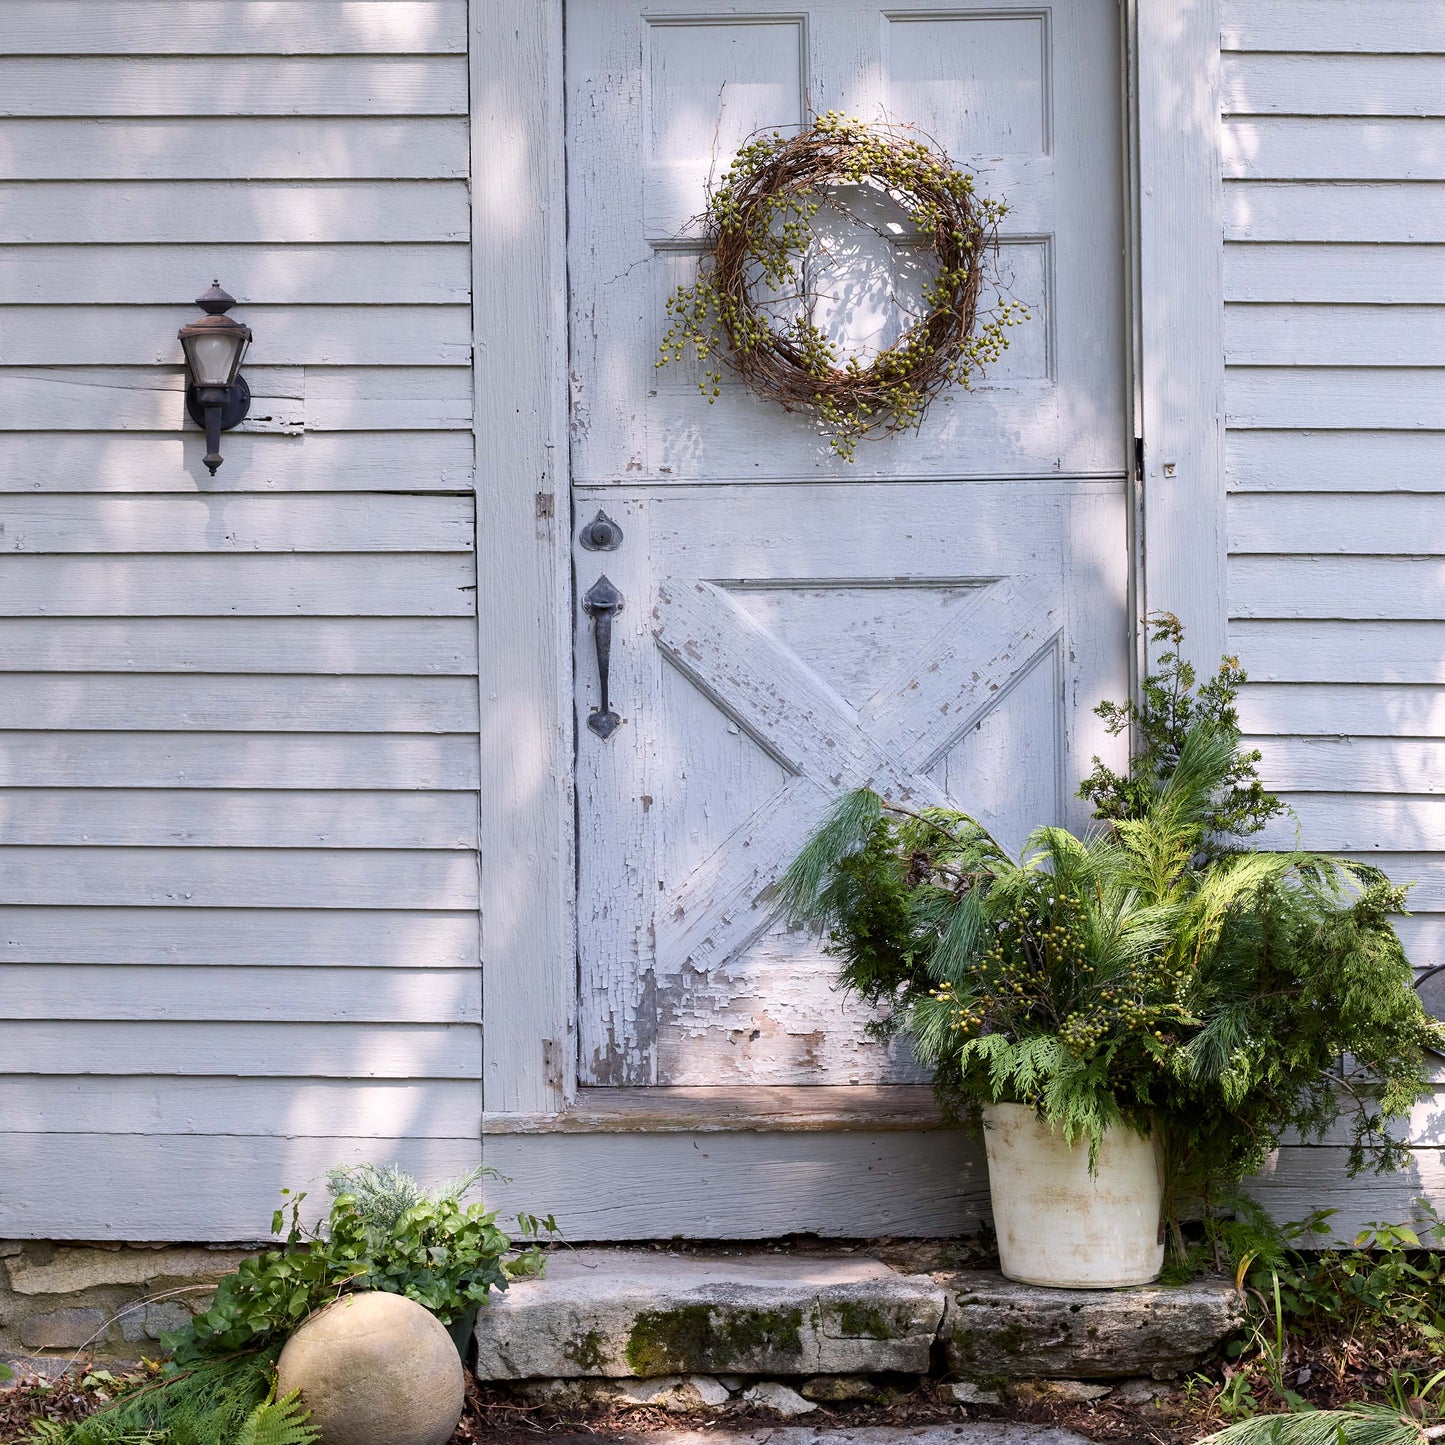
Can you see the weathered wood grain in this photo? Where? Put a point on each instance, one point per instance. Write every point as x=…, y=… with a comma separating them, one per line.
x=228, y=212
x=234, y=27
x=1327, y=272
x=744, y=1185
x=235, y=1180
x=123, y=85
x=138, y=817
x=1407, y=524
x=284, y=1108
x=71, y=759
x=714, y=1110
x=390, y=273
x=158, y=703
x=1287, y=460
x=525, y=597
x=316, y=645
x=205, y=993
x=238, y=878
x=205, y=148
x=1300, y=84
x=242, y=936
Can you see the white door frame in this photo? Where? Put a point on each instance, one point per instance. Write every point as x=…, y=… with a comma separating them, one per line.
x=524, y=594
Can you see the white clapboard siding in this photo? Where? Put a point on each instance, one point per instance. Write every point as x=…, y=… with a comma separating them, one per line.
x=399, y=762
x=1328, y=272
x=326, y=646
x=236, y=818
x=1350, y=398
x=308, y=1107
x=1275, y=334
x=1364, y=652
x=1287, y=460
x=405, y=585
x=189, y=149
x=242, y=936
x=1346, y=822
x=203, y=993
x=238, y=731
x=1333, y=85
x=1362, y=765
x=157, y=702
x=1337, y=587
x=266, y=462
x=1361, y=212
x=1406, y=26
x=176, y=1186
x=226, y=212
x=234, y=27
x=136, y=275
x=1402, y=524
x=293, y=335
x=1343, y=709
x=1286, y=148
x=238, y=877
x=241, y=1049
x=1334, y=158
x=359, y=85
x=195, y=524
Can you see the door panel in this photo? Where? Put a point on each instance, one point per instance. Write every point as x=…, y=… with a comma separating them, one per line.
x=935, y=621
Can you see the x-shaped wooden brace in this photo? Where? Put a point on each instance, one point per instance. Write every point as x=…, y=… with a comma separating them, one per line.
x=888, y=743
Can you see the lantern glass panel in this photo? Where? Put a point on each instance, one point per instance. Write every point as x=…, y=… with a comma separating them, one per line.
x=215, y=357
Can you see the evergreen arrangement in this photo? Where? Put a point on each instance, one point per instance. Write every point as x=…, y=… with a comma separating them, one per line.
x=1155, y=973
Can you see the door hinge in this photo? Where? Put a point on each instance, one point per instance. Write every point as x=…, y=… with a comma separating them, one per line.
x=1138, y=459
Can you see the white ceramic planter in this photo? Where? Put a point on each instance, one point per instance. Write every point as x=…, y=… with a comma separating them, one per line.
x=1059, y=1225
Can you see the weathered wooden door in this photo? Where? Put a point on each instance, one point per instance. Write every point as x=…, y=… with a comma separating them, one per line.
x=936, y=619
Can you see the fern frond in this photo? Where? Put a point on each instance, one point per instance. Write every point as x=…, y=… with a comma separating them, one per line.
x=279, y=1422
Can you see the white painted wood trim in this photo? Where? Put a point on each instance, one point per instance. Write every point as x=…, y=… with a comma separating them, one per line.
x=523, y=577
x=1174, y=86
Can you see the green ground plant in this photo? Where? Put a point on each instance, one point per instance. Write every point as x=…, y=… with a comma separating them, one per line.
x=1155, y=973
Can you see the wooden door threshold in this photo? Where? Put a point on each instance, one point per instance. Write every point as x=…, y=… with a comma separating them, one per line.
x=729, y=1110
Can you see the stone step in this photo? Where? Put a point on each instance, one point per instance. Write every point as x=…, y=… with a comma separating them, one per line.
x=634, y=1313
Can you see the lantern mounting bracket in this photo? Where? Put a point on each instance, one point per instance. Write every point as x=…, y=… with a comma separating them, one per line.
x=234, y=408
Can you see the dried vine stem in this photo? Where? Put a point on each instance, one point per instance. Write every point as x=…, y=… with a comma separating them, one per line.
x=758, y=231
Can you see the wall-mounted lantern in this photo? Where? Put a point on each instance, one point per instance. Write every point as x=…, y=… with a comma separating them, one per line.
x=217, y=397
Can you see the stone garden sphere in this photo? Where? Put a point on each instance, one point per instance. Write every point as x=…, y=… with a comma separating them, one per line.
x=375, y=1369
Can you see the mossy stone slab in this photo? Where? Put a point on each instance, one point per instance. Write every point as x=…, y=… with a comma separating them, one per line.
x=615, y=1313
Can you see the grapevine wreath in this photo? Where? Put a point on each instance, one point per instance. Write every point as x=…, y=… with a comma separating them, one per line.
x=758, y=232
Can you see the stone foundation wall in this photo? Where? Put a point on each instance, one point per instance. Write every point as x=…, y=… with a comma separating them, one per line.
x=110, y=1301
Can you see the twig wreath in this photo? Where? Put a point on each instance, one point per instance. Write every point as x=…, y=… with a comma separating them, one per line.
x=757, y=226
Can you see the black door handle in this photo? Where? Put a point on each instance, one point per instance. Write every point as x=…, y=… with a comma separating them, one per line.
x=602, y=603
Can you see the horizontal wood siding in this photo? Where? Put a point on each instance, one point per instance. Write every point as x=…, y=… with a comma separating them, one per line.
x=239, y=717
x=1334, y=163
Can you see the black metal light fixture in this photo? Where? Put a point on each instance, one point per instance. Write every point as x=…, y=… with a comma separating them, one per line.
x=217, y=397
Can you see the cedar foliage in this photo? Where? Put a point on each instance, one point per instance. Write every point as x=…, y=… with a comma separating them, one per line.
x=1153, y=973
x=220, y=1402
